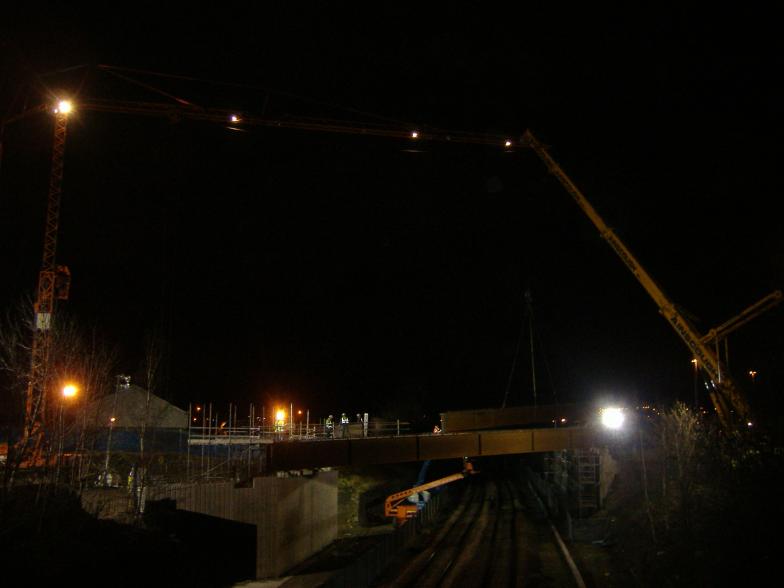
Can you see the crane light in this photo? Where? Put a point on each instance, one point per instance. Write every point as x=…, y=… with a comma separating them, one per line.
x=613, y=417
x=414, y=134
x=69, y=391
x=63, y=107
x=280, y=415
x=507, y=143
x=234, y=118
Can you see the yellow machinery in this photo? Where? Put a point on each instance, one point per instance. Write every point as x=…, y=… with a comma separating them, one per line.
x=394, y=507
x=725, y=394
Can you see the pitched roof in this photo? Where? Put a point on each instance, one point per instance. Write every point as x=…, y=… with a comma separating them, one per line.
x=128, y=405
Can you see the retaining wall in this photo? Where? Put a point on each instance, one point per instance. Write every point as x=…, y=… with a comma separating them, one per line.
x=295, y=517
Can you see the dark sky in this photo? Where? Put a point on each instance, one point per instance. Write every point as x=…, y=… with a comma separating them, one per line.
x=354, y=273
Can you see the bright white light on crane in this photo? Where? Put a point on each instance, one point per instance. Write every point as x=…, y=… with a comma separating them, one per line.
x=234, y=118
x=280, y=415
x=507, y=143
x=749, y=424
x=613, y=417
x=63, y=107
x=414, y=134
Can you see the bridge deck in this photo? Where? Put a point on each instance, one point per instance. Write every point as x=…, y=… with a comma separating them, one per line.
x=294, y=455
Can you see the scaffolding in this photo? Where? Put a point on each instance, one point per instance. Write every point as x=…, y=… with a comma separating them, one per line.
x=236, y=447
x=576, y=474
x=588, y=472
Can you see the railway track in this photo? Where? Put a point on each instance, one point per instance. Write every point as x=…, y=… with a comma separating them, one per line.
x=497, y=535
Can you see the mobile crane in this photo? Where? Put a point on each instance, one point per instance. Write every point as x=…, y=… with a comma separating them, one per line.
x=724, y=393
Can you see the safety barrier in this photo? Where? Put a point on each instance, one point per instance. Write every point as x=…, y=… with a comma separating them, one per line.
x=293, y=432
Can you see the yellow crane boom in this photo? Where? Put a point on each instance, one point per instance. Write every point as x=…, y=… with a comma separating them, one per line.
x=726, y=396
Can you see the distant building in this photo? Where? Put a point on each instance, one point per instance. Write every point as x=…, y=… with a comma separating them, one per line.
x=120, y=417
x=127, y=407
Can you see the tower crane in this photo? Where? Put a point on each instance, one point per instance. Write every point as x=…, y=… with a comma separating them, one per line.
x=725, y=395
x=54, y=280
x=53, y=284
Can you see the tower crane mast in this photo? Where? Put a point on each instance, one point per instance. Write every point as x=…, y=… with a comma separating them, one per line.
x=53, y=284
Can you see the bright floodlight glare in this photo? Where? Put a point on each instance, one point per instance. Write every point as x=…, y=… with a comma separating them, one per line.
x=64, y=106
x=507, y=143
x=612, y=418
x=235, y=118
x=414, y=134
x=69, y=391
x=280, y=415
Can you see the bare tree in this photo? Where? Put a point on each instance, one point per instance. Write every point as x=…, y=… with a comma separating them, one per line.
x=16, y=328
x=152, y=362
x=84, y=361
x=681, y=442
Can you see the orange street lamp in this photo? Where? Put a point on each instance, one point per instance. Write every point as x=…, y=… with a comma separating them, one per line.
x=696, y=369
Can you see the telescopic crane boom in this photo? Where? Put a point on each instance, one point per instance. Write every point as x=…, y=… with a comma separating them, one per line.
x=725, y=394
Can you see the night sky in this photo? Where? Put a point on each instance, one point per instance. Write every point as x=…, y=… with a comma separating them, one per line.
x=350, y=273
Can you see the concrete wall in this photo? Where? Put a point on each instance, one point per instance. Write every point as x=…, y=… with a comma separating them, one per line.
x=294, y=517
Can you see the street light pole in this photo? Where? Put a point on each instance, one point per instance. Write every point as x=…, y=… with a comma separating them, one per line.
x=696, y=369
x=68, y=392
x=112, y=418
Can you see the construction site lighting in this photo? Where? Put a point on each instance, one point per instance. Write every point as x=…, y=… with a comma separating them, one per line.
x=70, y=391
x=507, y=143
x=613, y=417
x=280, y=415
x=234, y=118
x=414, y=134
x=63, y=107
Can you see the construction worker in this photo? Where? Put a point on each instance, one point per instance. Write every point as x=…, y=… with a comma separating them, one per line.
x=329, y=427
x=280, y=425
x=344, y=426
